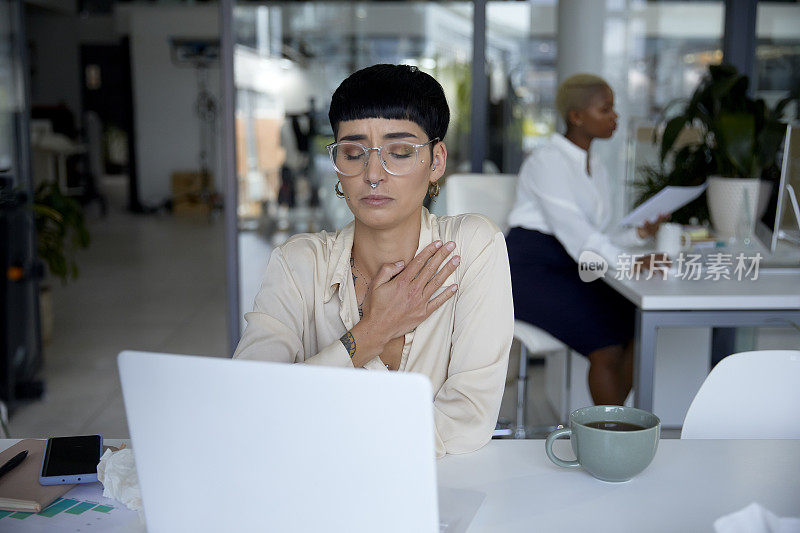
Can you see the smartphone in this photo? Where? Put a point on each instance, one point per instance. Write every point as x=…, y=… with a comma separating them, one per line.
x=70, y=460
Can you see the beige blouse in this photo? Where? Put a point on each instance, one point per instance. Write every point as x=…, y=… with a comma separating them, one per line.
x=307, y=301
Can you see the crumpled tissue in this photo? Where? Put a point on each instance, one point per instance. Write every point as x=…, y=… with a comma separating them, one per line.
x=756, y=519
x=117, y=472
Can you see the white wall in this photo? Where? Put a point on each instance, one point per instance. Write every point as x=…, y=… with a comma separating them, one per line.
x=164, y=95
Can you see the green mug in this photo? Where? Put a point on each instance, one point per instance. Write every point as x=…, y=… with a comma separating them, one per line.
x=611, y=442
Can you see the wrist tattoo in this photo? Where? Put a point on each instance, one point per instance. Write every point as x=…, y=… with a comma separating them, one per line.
x=349, y=343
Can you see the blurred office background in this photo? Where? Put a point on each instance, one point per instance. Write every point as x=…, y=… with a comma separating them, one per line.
x=125, y=106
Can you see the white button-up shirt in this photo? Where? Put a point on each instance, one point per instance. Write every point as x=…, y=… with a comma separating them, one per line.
x=307, y=301
x=557, y=196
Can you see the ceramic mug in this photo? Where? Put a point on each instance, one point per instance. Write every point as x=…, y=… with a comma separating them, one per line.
x=608, y=454
x=671, y=239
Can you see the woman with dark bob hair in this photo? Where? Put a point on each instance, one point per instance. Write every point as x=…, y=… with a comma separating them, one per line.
x=397, y=289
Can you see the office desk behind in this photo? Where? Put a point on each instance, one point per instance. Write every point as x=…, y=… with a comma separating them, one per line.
x=772, y=300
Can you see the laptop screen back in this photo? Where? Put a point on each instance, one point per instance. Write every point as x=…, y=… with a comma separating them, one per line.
x=229, y=445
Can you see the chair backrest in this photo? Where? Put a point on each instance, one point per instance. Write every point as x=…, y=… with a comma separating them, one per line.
x=488, y=194
x=748, y=395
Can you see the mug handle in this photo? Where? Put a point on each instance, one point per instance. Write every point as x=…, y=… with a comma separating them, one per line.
x=548, y=447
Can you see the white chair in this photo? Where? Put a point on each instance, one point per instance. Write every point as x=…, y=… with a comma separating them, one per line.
x=748, y=395
x=488, y=194
x=537, y=341
x=493, y=195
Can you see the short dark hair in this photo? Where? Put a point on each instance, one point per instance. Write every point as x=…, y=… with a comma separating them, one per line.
x=395, y=92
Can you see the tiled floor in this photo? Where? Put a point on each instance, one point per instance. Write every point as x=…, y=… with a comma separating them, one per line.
x=148, y=282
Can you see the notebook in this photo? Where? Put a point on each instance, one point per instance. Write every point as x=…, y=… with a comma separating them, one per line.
x=232, y=445
x=20, y=489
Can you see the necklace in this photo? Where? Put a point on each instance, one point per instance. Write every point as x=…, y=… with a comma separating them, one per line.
x=353, y=270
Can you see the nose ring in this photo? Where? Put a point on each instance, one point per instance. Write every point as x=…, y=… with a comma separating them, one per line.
x=373, y=184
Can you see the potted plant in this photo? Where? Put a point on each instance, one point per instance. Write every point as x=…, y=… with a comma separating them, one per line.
x=60, y=231
x=739, y=138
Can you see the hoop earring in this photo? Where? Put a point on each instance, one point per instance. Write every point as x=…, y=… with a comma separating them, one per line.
x=338, y=190
x=434, y=189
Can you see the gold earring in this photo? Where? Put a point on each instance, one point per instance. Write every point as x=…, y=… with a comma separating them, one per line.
x=337, y=190
x=434, y=189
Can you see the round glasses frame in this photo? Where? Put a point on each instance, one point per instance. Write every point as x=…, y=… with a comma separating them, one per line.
x=367, y=151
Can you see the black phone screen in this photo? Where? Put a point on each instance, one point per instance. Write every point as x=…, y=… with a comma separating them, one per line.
x=68, y=456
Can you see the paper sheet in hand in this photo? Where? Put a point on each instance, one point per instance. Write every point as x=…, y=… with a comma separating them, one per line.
x=667, y=200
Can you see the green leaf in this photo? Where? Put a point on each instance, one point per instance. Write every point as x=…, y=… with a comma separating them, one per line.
x=722, y=71
x=769, y=142
x=737, y=95
x=60, y=228
x=47, y=211
x=671, y=132
x=702, y=98
x=777, y=113
x=722, y=87
x=737, y=140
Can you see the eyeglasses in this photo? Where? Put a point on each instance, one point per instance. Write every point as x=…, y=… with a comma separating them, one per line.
x=397, y=158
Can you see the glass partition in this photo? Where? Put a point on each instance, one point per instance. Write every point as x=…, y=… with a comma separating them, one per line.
x=655, y=53
x=777, y=62
x=652, y=53
x=290, y=56
x=288, y=59
x=521, y=61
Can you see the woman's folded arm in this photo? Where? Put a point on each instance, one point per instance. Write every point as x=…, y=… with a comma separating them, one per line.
x=467, y=404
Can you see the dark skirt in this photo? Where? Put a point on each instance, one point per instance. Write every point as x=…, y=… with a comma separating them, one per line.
x=549, y=294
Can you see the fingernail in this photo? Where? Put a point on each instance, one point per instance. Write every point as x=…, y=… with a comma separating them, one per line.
x=451, y=245
x=454, y=288
x=399, y=263
x=438, y=244
x=456, y=260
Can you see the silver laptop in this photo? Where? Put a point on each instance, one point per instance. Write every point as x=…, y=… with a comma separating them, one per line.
x=230, y=445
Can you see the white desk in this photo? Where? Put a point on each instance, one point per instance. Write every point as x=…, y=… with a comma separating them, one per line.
x=773, y=300
x=689, y=484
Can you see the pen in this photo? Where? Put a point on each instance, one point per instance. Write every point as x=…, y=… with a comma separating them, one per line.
x=13, y=462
